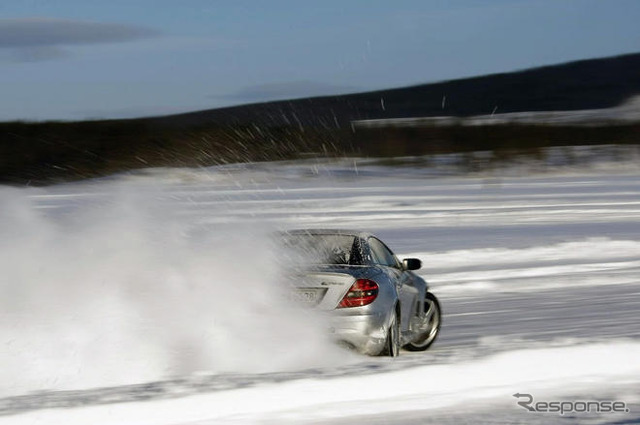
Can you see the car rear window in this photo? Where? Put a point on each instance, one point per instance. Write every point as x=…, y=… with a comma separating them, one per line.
x=322, y=249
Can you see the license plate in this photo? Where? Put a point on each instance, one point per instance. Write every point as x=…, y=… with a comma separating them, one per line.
x=306, y=296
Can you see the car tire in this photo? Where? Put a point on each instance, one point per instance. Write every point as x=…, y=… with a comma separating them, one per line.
x=392, y=344
x=432, y=327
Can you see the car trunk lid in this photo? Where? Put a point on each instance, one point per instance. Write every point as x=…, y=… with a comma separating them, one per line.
x=322, y=288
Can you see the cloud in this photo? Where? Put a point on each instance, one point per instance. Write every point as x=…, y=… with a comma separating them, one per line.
x=30, y=39
x=38, y=53
x=286, y=90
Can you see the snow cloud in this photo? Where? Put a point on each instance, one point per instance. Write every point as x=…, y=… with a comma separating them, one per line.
x=125, y=290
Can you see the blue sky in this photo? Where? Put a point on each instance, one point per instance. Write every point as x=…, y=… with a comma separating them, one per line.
x=80, y=59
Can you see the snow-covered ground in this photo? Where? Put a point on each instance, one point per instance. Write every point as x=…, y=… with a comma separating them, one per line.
x=626, y=113
x=153, y=298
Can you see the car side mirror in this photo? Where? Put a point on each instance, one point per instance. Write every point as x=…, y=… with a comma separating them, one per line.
x=411, y=263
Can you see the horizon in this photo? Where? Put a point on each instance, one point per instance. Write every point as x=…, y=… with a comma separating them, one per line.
x=77, y=61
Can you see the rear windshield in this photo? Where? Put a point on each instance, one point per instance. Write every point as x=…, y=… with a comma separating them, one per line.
x=322, y=249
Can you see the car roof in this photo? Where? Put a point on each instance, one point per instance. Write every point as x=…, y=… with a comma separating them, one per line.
x=348, y=232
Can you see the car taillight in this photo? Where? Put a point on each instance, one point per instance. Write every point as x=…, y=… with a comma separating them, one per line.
x=363, y=292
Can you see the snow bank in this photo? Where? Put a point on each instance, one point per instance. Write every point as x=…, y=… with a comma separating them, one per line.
x=484, y=382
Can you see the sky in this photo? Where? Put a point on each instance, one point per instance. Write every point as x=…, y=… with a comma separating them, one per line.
x=90, y=59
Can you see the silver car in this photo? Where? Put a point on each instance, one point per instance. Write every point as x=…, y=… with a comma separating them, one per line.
x=377, y=303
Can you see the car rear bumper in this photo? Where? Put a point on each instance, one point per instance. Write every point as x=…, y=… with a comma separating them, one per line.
x=367, y=333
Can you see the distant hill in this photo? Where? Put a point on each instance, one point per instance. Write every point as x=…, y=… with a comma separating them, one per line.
x=585, y=84
x=47, y=152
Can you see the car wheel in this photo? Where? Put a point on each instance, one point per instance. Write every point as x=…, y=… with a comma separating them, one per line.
x=392, y=344
x=430, y=328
